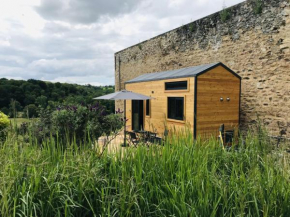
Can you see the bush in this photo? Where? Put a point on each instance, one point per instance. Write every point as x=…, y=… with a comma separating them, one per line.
x=72, y=123
x=42, y=128
x=4, y=123
x=112, y=124
x=84, y=123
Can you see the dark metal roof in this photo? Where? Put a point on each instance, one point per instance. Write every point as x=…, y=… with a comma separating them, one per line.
x=178, y=73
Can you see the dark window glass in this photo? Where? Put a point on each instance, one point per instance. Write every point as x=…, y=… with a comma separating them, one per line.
x=179, y=85
x=147, y=107
x=175, y=108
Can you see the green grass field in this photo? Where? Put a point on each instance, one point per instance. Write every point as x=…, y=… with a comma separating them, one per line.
x=182, y=178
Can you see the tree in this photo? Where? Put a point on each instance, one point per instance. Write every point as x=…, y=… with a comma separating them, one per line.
x=34, y=92
x=41, y=101
x=14, y=107
x=30, y=111
x=5, y=110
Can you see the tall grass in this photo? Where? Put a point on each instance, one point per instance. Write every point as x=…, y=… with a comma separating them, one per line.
x=182, y=178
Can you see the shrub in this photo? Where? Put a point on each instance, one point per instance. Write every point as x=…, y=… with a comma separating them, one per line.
x=42, y=128
x=4, y=123
x=112, y=124
x=84, y=122
x=72, y=123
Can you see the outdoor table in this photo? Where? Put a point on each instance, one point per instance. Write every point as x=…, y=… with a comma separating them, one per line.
x=143, y=134
x=147, y=136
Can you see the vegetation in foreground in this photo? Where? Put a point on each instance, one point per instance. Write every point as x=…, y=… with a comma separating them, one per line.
x=181, y=178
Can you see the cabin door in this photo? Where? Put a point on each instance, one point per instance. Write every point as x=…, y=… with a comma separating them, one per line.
x=137, y=115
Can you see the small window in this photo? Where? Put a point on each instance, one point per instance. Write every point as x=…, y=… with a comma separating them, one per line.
x=175, y=108
x=178, y=85
x=147, y=107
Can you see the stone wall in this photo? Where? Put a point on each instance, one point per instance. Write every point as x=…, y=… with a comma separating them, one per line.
x=254, y=43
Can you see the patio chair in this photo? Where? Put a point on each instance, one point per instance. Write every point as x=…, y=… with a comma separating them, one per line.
x=151, y=137
x=160, y=140
x=133, y=139
x=225, y=137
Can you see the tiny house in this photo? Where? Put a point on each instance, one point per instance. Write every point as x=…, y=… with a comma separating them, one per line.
x=199, y=97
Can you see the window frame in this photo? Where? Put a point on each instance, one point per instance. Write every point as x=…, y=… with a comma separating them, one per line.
x=184, y=109
x=146, y=101
x=177, y=80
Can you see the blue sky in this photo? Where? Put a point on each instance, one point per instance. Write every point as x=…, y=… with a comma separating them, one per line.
x=74, y=41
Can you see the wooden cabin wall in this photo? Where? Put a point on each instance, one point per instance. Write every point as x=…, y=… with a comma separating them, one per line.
x=158, y=109
x=211, y=112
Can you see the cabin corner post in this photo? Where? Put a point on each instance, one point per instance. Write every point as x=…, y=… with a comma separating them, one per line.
x=240, y=102
x=195, y=107
x=125, y=123
x=120, y=73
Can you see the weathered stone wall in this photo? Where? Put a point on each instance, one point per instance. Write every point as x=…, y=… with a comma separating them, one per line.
x=255, y=45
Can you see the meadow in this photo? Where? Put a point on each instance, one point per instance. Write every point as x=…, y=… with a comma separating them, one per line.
x=183, y=177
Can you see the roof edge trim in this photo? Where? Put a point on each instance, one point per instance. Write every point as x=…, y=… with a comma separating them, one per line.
x=187, y=76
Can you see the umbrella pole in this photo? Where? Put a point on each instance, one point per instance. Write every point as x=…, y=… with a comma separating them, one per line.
x=124, y=123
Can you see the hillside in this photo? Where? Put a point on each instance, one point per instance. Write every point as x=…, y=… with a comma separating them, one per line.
x=32, y=94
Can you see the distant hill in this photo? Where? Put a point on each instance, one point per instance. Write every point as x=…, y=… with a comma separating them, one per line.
x=22, y=94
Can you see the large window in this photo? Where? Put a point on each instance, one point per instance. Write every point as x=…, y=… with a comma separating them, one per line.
x=177, y=85
x=147, y=107
x=175, y=108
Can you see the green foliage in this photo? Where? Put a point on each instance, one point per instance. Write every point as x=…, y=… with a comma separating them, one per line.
x=225, y=15
x=4, y=123
x=5, y=110
x=72, y=123
x=41, y=101
x=46, y=94
x=181, y=178
x=191, y=27
x=30, y=111
x=112, y=123
x=258, y=6
x=140, y=46
x=14, y=107
x=4, y=120
x=40, y=129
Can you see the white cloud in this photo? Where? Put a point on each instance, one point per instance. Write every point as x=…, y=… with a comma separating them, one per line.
x=75, y=40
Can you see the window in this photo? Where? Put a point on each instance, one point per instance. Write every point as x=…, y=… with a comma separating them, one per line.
x=175, y=108
x=178, y=85
x=147, y=107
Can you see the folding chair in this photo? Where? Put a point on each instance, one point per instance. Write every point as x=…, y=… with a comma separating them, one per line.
x=161, y=140
x=225, y=137
x=133, y=139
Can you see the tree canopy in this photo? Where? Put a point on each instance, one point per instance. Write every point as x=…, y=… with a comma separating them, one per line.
x=21, y=95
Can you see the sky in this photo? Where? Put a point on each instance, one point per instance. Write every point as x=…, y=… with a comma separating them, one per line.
x=74, y=41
